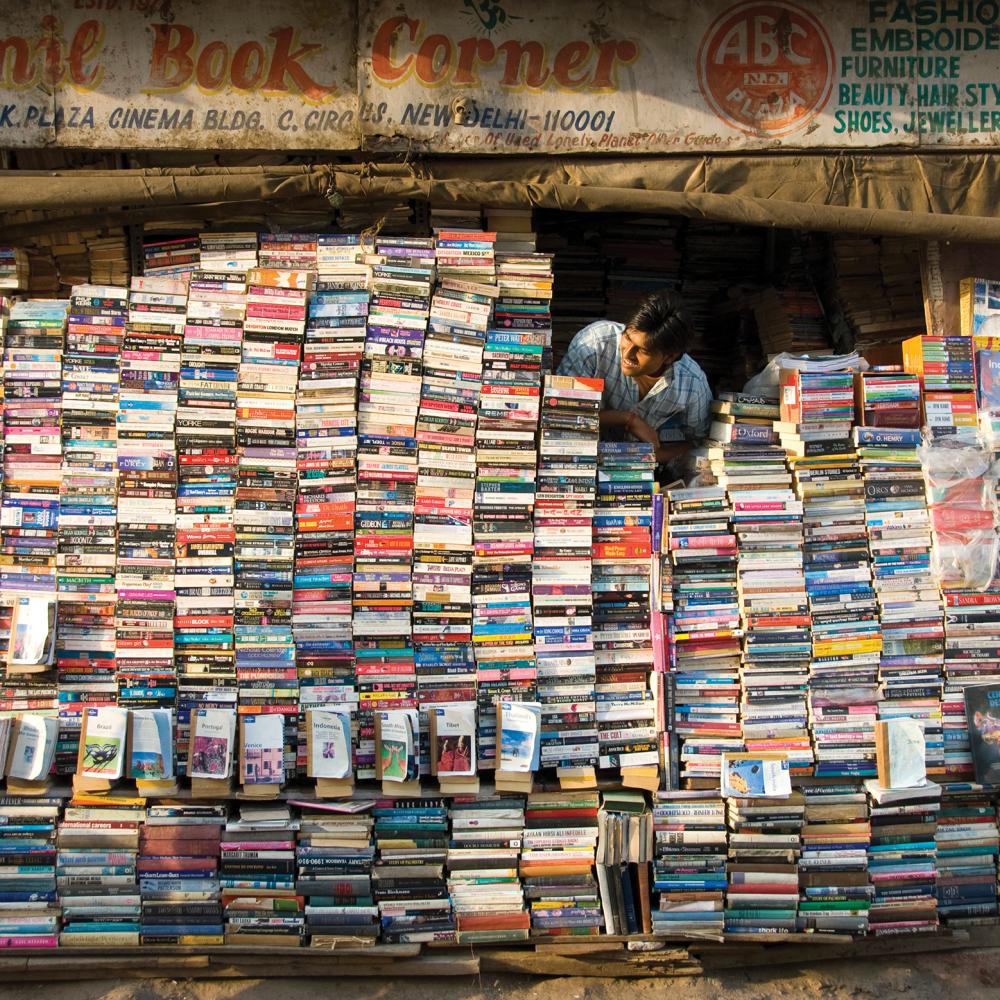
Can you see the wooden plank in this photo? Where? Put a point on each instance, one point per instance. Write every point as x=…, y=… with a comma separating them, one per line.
x=580, y=948
x=219, y=967
x=727, y=956
x=535, y=964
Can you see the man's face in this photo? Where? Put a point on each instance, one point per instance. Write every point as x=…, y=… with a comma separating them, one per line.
x=638, y=354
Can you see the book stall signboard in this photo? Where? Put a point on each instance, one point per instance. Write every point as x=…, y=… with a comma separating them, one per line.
x=505, y=76
x=138, y=74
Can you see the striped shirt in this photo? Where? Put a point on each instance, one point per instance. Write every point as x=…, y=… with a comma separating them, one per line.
x=680, y=397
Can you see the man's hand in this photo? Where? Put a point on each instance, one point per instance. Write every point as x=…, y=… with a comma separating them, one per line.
x=667, y=453
x=638, y=428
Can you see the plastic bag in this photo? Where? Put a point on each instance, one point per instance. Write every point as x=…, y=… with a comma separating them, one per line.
x=766, y=382
x=961, y=488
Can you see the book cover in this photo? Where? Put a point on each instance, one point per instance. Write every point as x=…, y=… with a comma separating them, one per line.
x=982, y=712
x=151, y=754
x=330, y=744
x=520, y=725
x=213, y=735
x=746, y=775
x=102, y=751
x=262, y=759
x=455, y=741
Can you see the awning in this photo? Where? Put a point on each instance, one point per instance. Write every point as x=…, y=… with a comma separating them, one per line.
x=929, y=195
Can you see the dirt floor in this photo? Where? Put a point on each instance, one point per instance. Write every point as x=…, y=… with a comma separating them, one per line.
x=942, y=976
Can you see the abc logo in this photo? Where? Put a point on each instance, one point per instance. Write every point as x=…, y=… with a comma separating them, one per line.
x=766, y=68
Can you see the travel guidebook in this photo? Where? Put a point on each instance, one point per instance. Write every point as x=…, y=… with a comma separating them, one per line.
x=103, y=751
x=34, y=747
x=982, y=711
x=214, y=732
x=520, y=725
x=151, y=754
x=756, y=776
x=330, y=743
x=263, y=761
x=398, y=747
x=32, y=635
x=455, y=749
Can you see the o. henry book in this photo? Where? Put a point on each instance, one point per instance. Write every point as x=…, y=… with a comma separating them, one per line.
x=102, y=754
x=213, y=735
x=263, y=750
x=982, y=712
x=330, y=744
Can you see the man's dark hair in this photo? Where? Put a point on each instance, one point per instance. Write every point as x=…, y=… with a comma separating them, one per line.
x=662, y=317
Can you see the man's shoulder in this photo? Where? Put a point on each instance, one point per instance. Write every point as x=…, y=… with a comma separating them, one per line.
x=601, y=331
x=690, y=369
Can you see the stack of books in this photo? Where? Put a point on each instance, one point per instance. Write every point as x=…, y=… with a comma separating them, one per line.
x=902, y=859
x=514, y=229
x=446, y=478
x=774, y=608
x=623, y=642
x=661, y=597
x=85, y=643
x=29, y=905
x=97, y=873
x=32, y=373
x=326, y=427
x=562, y=595
x=503, y=507
x=235, y=252
x=817, y=410
x=147, y=493
x=288, y=251
x=465, y=254
x=641, y=256
x=171, y=258
x=207, y=478
x=13, y=268
x=706, y=632
x=109, y=258
x=402, y=277
x=334, y=853
x=335, y=251
x=790, y=319
x=765, y=843
x=971, y=658
x=689, y=868
x=910, y=610
x=946, y=366
x=557, y=864
x=624, y=856
x=967, y=847
x=887, y=397
x=486, y=892
x=526, y=284
x=833, y=868
x=179, y=874
x=264, y=516
x=257, y=877
x=409, y=882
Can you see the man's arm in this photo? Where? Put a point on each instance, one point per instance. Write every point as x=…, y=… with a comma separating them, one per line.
x=666, y=452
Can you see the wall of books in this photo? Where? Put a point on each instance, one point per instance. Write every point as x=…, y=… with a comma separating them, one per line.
x=327, y=617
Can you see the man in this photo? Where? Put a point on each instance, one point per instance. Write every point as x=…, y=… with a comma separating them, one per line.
x=650, y=383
